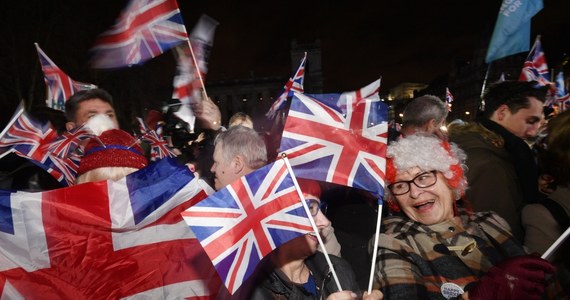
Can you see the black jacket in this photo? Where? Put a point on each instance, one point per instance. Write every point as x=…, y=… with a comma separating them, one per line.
x=274, y=285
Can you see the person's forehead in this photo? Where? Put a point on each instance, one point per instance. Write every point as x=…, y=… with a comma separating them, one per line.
x=408, y=174
x=95, y=103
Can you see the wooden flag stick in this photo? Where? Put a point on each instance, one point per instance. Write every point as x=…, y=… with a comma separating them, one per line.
x=197, y=69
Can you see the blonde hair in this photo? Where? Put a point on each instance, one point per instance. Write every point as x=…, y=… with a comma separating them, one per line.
x=106, y=173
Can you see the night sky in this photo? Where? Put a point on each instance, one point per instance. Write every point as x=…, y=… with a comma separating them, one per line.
x=412, y=41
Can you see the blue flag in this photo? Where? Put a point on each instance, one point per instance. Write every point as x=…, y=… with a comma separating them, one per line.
x=512, y=30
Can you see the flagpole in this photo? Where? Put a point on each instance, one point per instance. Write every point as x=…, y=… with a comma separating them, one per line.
x=482, y=103
x=324, y=250
x=19, y=112
x=375, y=251
x=197, y=69
x=556, y=244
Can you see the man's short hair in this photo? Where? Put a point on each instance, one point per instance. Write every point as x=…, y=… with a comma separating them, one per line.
x=72, y=104
x=243, y=141
x=514, y=94
x=423, y=109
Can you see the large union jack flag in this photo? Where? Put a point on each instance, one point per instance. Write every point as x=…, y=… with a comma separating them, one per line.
x=106, y=240
x=339, y=138
x=294, y=84
x=243, y=222
x=59, y=86
x=159, y=148
x=187, y=84
x=535, y=67
x=145, y=29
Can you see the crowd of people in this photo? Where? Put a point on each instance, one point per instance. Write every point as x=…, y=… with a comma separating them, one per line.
x=470, y=208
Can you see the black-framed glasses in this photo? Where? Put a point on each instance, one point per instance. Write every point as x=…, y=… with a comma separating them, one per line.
x=315, y=206
x=422, y=180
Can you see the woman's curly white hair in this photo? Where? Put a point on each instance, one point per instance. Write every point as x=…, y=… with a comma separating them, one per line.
x=428, y=153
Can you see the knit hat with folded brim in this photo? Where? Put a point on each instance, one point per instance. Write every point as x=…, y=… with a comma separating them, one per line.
x=113, y=148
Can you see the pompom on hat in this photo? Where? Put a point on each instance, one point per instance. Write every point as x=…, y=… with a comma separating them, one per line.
x=112, y=148
x=427, y=153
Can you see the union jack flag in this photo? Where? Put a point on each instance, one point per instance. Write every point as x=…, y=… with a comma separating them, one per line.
x=59, y=86
x=69, y=141
x=339, y=138
x=294, y=84
x=40, y=144
x=448, y=98
x=243, y=222
x=187, y=84
x=145, y=29
x=106, y=240
x=28, y=137
x=159, y=148
x=562, y=95
x=535, y=67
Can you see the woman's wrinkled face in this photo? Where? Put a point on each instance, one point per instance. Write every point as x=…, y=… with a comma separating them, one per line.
x=428, y=205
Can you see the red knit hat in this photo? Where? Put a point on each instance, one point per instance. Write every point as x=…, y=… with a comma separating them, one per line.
x=309, y=187
x=113, y=148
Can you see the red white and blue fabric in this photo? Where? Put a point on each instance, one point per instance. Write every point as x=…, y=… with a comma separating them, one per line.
x=159, y=148
x=106, y=240
x=448, y=98
x=339, y=138
x=187, y=85
x=294, y=84
x=562, y=95
x=64, y=154
x=245, y=221
x=145, y=29
x=535, y=67
x=69, y=141
x=59, y=86
x=28, y=137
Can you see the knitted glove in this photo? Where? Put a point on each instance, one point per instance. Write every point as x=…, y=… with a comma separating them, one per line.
x=520, y=277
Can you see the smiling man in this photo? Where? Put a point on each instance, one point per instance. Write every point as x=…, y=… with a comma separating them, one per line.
x=502, y=172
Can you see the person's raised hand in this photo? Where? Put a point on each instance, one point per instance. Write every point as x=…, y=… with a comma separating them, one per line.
x=520, y=277
x=207, y=113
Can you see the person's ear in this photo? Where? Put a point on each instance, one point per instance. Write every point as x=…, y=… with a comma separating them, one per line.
x=501, y=112
x=69, y=125
x=431, y=126
x=238, y=164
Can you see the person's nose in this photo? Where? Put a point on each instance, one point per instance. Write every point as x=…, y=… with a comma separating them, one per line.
x=415, y=191
x=321, y=220
x=213, y=168
x=533, y=130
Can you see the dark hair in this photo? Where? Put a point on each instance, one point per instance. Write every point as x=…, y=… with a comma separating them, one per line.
x=557, y=155
x=46, y=114
x=73, y=102
x=512, y=93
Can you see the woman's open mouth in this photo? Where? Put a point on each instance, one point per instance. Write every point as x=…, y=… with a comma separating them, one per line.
x=424, y=206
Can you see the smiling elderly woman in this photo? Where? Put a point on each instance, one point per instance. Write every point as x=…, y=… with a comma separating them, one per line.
x=433, y=248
